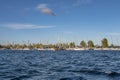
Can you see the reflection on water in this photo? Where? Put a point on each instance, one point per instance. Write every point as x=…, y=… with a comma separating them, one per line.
x=59, y=65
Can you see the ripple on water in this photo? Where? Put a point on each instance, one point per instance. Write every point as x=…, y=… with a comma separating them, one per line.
x=73, y=78
x=21, y=77
x=59, y=65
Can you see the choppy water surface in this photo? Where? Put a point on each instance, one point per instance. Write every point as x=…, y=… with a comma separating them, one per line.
x=59, y=65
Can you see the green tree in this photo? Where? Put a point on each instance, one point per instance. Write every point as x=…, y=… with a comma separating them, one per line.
x=0, y=46
x=9, y=46
x=83, y=44
x=25, y=46
x=112, y=46
x=90, y=44
x=104, y=43
x=30, y=46
x=72, y=45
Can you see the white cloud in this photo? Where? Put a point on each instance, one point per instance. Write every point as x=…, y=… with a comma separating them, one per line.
x=79, y=2
x=113, y=34
x=44, y=9
x=24, y=26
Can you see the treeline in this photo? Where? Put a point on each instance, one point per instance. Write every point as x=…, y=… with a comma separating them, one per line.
x=83, y=44
x=90, y=44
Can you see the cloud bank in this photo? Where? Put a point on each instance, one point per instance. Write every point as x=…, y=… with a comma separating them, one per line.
x=44, y=9
x=24, y=26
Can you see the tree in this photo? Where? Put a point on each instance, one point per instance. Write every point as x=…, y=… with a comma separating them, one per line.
x=30, y=46
x=72, y=45
x=90, y=44
x=0, y=46
x=9, y=46
x=104, y=43
x=83, y=44
x=112, y=46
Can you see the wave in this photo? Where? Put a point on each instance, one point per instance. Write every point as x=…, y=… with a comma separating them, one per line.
x=21, y=77
x=112, y=73
x=73, y=78
x=95, y=72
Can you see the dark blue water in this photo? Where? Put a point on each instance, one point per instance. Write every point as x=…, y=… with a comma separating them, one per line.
x=59, y=65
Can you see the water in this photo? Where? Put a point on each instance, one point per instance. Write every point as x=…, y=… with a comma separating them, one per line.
x=59, y=65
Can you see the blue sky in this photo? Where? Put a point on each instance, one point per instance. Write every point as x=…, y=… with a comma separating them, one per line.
x=50, y=21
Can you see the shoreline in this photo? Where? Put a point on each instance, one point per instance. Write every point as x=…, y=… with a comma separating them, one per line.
x=68, y=49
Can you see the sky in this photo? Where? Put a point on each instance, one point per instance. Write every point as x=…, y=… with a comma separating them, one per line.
x=52, y=21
